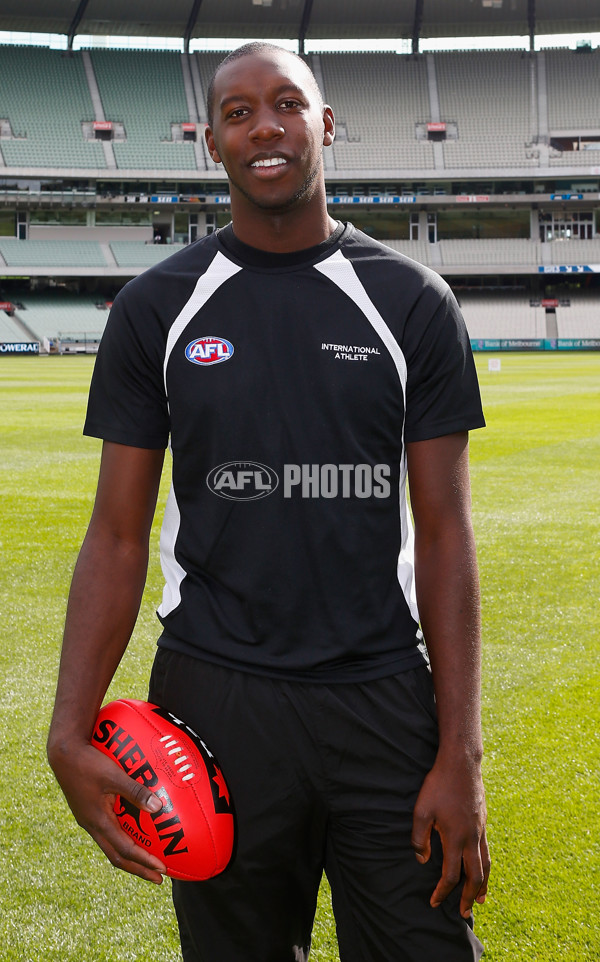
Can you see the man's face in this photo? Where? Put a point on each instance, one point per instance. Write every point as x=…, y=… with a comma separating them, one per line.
x=268, y=130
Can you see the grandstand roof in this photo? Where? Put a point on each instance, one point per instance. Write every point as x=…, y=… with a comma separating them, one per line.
x=309, y=19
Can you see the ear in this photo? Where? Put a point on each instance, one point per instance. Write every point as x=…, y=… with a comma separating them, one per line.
x=210, y=143
x=329, y=126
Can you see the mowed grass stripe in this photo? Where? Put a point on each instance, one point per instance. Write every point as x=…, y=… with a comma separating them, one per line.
x=537, y=515
x=536, y=511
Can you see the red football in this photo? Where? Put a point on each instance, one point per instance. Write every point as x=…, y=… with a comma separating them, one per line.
x=193, y=833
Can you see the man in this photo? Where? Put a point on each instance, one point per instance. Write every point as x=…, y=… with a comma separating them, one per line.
x=300, y=370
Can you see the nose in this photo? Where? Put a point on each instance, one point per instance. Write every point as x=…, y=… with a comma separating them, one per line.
x=267, y=125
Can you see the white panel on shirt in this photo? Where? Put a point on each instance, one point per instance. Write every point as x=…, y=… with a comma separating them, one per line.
x=219, y=271
x=339, y=270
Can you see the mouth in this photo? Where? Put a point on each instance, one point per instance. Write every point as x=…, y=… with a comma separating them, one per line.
x=269, y=163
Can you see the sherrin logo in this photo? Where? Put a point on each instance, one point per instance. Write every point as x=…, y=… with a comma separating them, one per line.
x=209, y=350
x=242, y=480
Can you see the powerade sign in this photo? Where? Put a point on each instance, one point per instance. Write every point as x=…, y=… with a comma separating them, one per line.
x=19, y=347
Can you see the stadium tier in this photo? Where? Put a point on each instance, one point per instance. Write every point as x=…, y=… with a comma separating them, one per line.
x=490, y=254
x=378, y=100
x=51, y=253
x=54, y=317
x=12, y=331
x=573, y=86
x=484, y=166
x=67, y=318
x=132, y=254
x=144, y=91
x=489, y=97
x=57, y=314
x=81, y=255
x=493, y=110
x=44, y=100
x=502, y=316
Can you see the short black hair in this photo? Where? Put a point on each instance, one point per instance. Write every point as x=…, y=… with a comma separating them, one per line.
x=247, y=50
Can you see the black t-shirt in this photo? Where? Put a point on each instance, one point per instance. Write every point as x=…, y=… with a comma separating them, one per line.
x=287, y=386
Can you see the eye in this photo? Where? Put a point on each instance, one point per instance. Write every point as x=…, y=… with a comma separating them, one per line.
x=237, y=112
x=289, y=104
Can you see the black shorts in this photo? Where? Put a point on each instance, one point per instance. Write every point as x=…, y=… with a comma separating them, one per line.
x=323, y=777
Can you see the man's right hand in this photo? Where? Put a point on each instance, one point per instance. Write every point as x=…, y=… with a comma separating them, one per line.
x=91, y=782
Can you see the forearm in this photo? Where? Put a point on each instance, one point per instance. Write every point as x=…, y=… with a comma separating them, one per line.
x=104, y=600
x=448, y=600
x=452, y=798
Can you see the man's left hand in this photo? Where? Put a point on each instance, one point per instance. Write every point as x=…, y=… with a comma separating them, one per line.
x=452, y=801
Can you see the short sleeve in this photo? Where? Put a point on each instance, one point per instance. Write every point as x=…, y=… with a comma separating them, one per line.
x=442, y=391
x=127, y=402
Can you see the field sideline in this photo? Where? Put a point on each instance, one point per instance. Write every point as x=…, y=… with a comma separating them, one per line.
x=536, y=494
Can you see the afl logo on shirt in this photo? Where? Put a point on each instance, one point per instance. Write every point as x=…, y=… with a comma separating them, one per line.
x=242, y=480
x=209, y=350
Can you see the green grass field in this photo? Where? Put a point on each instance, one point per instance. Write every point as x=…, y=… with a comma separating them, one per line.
x=536, y=493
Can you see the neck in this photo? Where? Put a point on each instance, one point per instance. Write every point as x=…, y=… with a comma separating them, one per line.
x=281, y=232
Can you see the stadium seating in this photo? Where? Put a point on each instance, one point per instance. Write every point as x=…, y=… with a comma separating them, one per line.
x=417, y=250
x=570, y=252
x=206, y=64
x=51, y=253
x=500, y=252
x=135, y=254
x=10, y=331
x=143, y=89
x=573, y=81
x=498, y=315
x=55, y=315
x=489, y=96
x=45, y=97
x=500, y=103
x=378, y=100
x=581, y=319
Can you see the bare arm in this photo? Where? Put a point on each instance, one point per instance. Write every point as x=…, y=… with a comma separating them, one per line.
x=452, y=798
x=103, y=605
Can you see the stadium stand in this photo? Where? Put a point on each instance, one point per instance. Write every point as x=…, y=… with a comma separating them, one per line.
x=56, y=315
x=489, y=252
x=489, y=96
x=499, y=252
x=144, y=90
x=45, y=98
x=379, y=99
x=203, y=67
x=467, y=202
x=133, y=254
x=10, y=330
x=581, y=319
x=497, y=315
x=418, y=250
x=51, y=253
x=571, y=251
x=573, y=81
